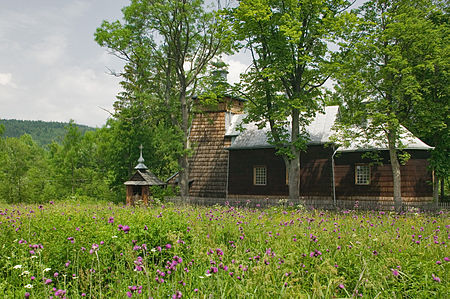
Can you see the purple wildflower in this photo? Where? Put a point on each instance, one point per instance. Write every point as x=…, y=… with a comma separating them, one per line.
x=395, y=272
x=435, y=278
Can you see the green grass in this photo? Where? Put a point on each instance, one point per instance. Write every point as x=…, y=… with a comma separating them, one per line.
x=220, y=252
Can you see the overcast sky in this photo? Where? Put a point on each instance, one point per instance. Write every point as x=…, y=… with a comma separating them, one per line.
x=50, y=66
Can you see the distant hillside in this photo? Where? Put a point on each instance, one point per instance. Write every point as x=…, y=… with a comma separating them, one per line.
x=42, y=132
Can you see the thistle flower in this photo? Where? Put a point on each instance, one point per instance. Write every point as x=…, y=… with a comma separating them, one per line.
x=435, y=278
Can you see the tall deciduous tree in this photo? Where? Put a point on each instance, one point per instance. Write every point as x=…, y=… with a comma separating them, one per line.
x=381, y=79
x=290, y=63
x=167, y=45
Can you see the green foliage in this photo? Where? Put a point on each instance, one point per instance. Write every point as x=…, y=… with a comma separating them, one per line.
x=167, y=46
x=393, y=74
x=291, y=60
x=42, y=132
x=102, y=249
x=23, y=170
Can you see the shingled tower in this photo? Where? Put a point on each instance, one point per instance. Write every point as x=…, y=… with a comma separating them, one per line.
x=209, y=163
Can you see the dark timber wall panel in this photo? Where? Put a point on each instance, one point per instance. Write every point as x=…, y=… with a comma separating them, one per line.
x=241, y=172
x=416, y=178
x=315, y=171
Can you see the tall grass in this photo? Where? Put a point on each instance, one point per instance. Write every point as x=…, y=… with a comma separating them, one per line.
x=109, y=251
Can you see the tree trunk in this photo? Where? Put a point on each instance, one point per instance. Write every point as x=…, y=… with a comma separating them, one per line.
x=396, y=175
x=184, y=159
x=442, y=180
x=293, y=168
x=435, y=189
x=294, y=164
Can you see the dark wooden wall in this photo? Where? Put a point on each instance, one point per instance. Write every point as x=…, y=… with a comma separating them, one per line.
x=241, y=172
x=316, y=174
x=315, y=171
x=416, y=178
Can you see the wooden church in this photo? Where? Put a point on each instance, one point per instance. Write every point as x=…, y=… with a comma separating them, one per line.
x=231, y=163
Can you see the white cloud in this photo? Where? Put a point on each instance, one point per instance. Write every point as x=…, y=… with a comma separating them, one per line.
x=6, y=80
x=50, y=50
x=235, y=69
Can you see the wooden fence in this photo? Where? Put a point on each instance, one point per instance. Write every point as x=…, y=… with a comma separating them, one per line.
x=315, y=204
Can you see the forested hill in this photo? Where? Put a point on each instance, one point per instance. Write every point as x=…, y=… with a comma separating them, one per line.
x=42, y=132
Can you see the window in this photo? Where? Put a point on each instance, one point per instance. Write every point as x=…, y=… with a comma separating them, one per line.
x=259, y=175
x=362, y=174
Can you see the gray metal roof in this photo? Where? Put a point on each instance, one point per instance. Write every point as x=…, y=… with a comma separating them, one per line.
x=144, y=178
x=320, y=130
x=407, y=139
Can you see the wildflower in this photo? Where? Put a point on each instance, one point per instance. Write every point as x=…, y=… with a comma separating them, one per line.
x=126, y=229
x=60, y=293
x=48, y=281
x=196, y=290
x=67, y=264
x=446, y=259
x=56, y=274
x=435, y=278
x=438, y=262
x=32, y=278
x=375, y=252
x=168, y=246
x=83, y=294
x=395, y=272
x=17, y=267
x=27, y=295
x=28, y=286
x=25, y=273
x=47, y=269
x=111, y=220
x=341, y=286
x=177, y=295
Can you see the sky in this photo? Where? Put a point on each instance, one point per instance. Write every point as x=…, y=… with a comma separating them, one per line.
x=51, y=68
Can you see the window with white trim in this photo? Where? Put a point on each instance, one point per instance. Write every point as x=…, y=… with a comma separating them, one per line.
x=259, y=175
x=362, y=174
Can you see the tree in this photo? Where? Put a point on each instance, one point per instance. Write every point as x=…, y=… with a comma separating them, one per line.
x=23, y=170
x=167, y=45
x=291, y=61
x=381, y=77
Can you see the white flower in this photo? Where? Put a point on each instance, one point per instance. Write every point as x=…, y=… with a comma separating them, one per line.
x=153, y=250
x=25, y=273
x=28, y=286
x=17, y=266
x=114, y=237
x=47, y=269
x=34, y=256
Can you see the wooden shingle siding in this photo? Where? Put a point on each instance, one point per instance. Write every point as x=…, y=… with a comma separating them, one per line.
x=209, y=161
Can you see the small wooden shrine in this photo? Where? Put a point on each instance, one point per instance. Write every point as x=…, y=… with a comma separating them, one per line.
x=138, y=186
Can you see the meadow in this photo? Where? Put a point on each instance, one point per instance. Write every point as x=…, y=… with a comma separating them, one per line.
x=62, y=250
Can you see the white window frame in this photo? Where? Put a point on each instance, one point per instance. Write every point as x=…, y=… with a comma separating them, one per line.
x=259, y=175
x=362, y=174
